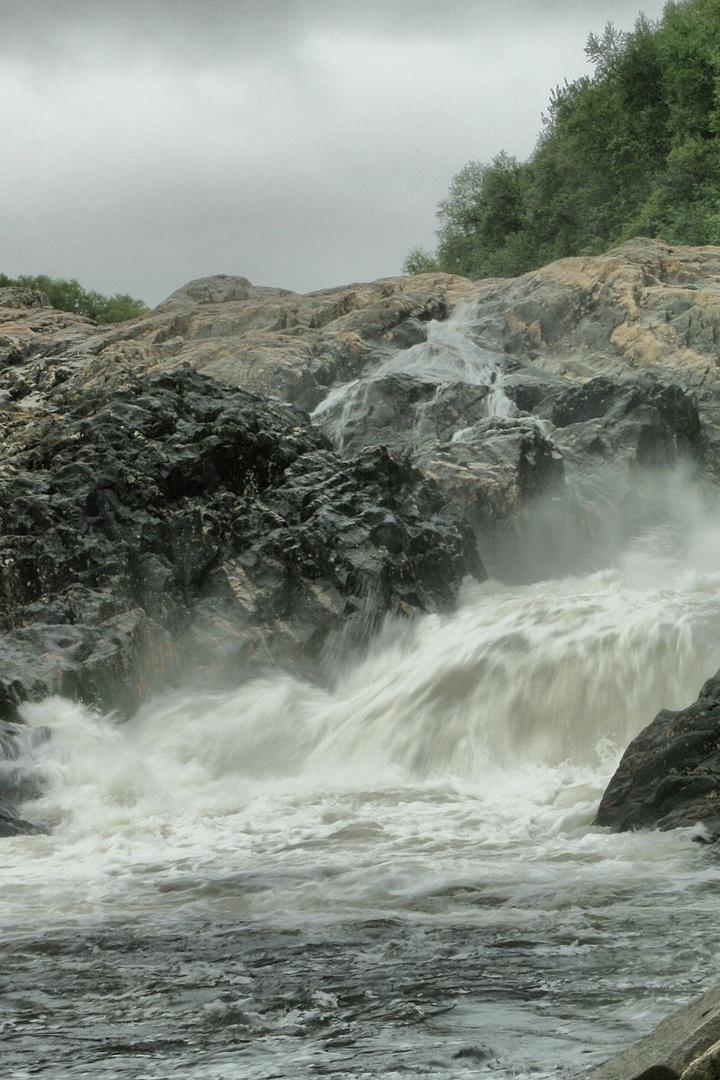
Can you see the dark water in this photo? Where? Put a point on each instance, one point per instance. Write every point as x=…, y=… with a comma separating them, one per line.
x=383, y=998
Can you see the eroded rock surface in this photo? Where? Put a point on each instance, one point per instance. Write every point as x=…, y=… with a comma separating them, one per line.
x=669, y=776
x=154, y=511
x=179, y=518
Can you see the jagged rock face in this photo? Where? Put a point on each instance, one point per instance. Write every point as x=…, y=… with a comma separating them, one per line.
x=645, y=306
x=564, y=340
x=669, y=776
x=272, y=341
x=148, y=526
x=153, y=517
x=31, y=333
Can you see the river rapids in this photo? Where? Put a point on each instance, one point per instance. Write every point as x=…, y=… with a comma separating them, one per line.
x=394, y=875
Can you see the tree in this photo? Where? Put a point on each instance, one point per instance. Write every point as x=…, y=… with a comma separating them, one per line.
x=633, y=148
x=68, y=295
x=419, y=261
x=482, y=212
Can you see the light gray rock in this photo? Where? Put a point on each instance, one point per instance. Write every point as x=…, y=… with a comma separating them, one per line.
x=674, y=1046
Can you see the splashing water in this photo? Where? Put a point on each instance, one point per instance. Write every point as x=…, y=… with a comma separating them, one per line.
x=397, y=875
x=450, y=354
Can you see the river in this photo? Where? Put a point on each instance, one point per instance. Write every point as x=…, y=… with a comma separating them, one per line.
x=395, y=876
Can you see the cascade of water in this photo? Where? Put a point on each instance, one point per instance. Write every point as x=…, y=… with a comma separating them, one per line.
x=450, y=354
x=439, y=795
x=443, y=787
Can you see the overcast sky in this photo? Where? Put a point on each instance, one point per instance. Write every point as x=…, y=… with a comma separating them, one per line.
x=302, y=143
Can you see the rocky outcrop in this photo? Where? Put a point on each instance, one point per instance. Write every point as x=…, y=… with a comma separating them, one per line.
x=643, y=307
x=270, y=341
x=166, y=502
x=566, y=344
x=183, y=520
x=669, y=776
x=31, y=334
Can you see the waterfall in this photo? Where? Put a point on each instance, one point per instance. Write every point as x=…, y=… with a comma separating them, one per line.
x=396, y=870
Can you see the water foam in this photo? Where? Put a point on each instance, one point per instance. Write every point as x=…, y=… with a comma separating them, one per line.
x=450, y=354
x=492, y=729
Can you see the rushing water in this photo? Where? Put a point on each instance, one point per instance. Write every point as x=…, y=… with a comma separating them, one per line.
x=452, y=353
x=397, y=876
x=394, y=876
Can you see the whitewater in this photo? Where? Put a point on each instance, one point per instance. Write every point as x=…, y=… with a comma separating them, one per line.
x=394, y=874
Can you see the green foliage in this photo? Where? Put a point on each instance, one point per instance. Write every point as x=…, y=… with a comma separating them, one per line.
x=632, y=149
x=69, y=295
x=420, y=261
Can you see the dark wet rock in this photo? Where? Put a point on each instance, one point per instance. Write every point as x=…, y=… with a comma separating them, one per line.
x=12, y=825
x=666, y=415
x=136, y=526
x=508, y=478
x=669, y=776
x=402, y=411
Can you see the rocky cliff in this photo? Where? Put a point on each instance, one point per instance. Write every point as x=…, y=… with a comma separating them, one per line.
x=248, y=476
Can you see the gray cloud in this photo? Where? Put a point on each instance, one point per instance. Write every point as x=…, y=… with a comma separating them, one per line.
x=303, y=144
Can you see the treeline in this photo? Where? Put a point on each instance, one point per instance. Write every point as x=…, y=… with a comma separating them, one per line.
x=633, y=149
x=69, y=295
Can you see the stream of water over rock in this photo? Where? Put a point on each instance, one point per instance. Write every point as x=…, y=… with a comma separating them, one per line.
x=394, y=876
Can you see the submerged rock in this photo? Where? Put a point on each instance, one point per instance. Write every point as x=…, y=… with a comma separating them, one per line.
x=669, y=776
x=12, y=825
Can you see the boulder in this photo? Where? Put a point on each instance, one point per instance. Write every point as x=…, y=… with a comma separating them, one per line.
x=685, y=1045
x=142, y=529
x=669, y=775
x=12, y=825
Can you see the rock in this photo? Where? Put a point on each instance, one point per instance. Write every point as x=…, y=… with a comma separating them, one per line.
x=705, y=1067
x=12, y=825
x=403, y=412
x=505, y=474
x=219, y=289
x=32, y=334
x=543, y=338
x=136, y=524
x=677, y=1046
x=644, y=306
x=17, y=296
x=271, y=341
x=616, y=400
x=670, y=774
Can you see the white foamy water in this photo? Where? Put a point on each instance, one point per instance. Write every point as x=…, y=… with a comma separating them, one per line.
x=395, y=875
x=415, y=844
x=449, y=354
